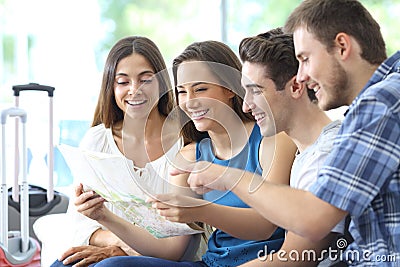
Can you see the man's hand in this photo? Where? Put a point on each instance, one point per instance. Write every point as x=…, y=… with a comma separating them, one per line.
x=85, y=255
x=206, y=176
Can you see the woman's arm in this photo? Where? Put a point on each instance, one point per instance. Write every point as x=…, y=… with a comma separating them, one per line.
x=143, y=242
x=276, y=158
x=179, y=183
x=92, y=206
x=91, y=232
x=105, y=238
x=243, y=223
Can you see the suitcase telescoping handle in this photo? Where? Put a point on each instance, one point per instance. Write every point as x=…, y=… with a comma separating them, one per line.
x=15, y=112
x=33, y=87
x=50, y=91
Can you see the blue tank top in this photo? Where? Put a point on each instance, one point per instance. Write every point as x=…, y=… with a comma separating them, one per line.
x=224, y=249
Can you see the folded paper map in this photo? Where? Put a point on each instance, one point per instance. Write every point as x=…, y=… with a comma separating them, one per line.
x=111, y=176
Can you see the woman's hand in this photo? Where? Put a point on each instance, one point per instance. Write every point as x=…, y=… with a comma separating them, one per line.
x=178, y=208
x=86, y=255
x=90, y=204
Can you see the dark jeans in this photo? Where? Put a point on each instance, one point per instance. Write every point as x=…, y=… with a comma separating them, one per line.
x=58, y=263
x=131, y=261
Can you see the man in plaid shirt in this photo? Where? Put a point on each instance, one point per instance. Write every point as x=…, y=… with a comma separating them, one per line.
x=343, y=54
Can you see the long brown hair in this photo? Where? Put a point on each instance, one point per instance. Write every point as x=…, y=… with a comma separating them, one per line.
x=107, y=110
x=229, y=77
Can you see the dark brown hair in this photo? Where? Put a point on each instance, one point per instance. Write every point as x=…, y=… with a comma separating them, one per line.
x=275, y=51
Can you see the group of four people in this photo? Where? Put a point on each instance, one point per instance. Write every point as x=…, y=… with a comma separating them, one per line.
x=256, y=158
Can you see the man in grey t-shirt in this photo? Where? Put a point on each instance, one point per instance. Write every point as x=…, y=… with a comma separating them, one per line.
x=270, y=92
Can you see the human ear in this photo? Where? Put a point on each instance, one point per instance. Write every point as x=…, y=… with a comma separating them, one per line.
x=296, y=88
x=344, y=45
x=229, y=93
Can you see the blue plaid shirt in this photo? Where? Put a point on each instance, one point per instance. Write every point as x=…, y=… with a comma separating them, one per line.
x=361, y=175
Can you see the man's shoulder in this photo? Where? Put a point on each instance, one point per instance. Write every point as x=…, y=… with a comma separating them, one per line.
x=390, y=84
x=385, y=84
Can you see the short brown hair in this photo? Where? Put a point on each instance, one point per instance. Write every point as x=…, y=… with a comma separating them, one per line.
x=326, y=18
x=273, y=50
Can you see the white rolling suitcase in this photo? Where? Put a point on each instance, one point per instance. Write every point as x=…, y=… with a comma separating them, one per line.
x=43, y=201
x=16, y=248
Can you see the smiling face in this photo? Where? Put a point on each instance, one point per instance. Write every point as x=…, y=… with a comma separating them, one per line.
x=267, y=105
x=136, y=87
x=201, y=97
x=321, y=71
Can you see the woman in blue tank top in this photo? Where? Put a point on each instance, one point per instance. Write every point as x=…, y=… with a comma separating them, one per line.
x=215, y=129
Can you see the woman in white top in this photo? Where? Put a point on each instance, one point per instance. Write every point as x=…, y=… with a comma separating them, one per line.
x=130, y=119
